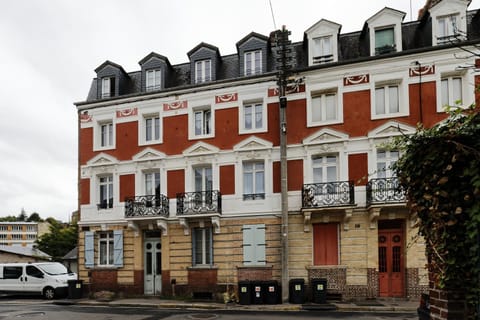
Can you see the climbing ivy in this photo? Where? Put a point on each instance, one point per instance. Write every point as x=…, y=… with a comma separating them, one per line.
x=440, y=171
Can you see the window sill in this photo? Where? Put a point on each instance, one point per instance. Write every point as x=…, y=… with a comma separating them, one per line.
x=323, y=123
x=255, y=266
x=202, y=267
x=389, y=116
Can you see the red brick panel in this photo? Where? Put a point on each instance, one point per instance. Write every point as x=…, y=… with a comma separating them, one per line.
x=277, y=187
x=175, y=183
x=84, y=191
x=227, y=179
x=127, y=186
x=358, y=168
x=295, y=175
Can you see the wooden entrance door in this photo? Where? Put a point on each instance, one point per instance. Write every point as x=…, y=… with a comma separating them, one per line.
x=390, y=263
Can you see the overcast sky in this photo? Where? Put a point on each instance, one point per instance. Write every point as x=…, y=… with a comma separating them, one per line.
x=49, y=50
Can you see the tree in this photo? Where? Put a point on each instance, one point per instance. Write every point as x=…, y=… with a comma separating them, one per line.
x=440, y=172
x=34, y=217
x=59, y=241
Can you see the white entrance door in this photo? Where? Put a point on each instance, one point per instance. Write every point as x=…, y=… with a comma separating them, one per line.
x=153, y=266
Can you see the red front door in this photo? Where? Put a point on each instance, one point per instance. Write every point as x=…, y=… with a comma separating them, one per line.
x=390, y=263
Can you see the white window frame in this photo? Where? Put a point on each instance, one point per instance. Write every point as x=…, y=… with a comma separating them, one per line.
x=107, y=187
x=153, y=80
x=98, y=134
x=253, y=169
x=391, y=157
x=313, y=93
x=106, y=90
x=403, y=98
x=447, y=28
x=151, y=179
x=192, y=122
x=253, y=106
x=106, y=254
x=206, y=243
x=155, y=130
x=203, y=71
x=452, y=99
x=250, y=58
x=392, y=47
x=106, y=134
x=324, y=164
x=206, y=174
x=322, y=52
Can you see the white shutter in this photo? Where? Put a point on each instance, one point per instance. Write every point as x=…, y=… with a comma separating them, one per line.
x=259, y=235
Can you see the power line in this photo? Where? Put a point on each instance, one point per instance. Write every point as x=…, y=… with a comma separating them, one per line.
x=273, y=16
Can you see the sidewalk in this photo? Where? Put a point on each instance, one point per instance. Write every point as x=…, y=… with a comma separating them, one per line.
x=378, y=305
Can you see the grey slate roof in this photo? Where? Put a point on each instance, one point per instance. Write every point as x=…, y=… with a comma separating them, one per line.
x=352, y=47
x=25, y=251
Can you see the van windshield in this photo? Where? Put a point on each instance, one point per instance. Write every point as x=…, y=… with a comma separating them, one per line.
x=53, y=268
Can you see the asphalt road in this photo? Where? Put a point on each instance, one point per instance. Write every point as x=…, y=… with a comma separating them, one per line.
x=38, y=309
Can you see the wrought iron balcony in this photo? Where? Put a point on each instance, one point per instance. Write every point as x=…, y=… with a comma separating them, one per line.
x=146, y=206
x=384, y=190
x=386, y=49
x=328, y=194
x=200, y=202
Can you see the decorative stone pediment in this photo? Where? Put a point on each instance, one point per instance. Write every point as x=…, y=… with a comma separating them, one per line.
x=390, y=129
x=200, y=148
x=149, y=154
x=252, y=144
x=325, y=136
x=102, y=159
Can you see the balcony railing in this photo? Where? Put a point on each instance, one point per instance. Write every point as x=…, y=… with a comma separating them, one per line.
x=384, y=190
x=386, y=49
x=200, y=202
x=146, y=206
x=328, y=194
x=323, y=59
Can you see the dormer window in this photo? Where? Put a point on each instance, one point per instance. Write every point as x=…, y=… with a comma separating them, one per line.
x=322, y=40
x=447, y=29
x=385, y=41
x=322, y=49
x=108, y=87
x=449, y=21
x=385, y=31
x=153, y=80
x=253, y=62
x=203, y=71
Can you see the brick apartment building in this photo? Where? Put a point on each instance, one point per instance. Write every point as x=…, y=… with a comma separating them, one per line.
x=179, y=165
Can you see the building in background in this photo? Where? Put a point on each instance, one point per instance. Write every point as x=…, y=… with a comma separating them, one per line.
x=21, y=233
x=180, y=191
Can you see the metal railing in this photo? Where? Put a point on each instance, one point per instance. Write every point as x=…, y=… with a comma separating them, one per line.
x=199, y=202
x=328, y=194
x=148, y=205
x=323, y=59
x=386, y=49
x=384, y=190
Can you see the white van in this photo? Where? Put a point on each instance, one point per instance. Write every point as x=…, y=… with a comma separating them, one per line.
x=49, y=279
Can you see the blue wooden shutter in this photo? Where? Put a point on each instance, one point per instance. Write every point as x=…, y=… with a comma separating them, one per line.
x=118, y=248
x=259, y=234
x=89, y=249
x=254, y=244
x=248, y=245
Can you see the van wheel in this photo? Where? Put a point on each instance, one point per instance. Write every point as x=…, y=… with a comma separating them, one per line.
x=49, y=293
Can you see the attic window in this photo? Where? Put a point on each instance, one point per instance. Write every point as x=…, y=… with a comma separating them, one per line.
x=203, y=71
x=253, y=62
x=384, y=41
x=153, y=80
x=322, y=50
x=447, y=29
x=108, y=87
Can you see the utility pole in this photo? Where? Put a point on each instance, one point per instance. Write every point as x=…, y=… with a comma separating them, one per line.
x=284, y=65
